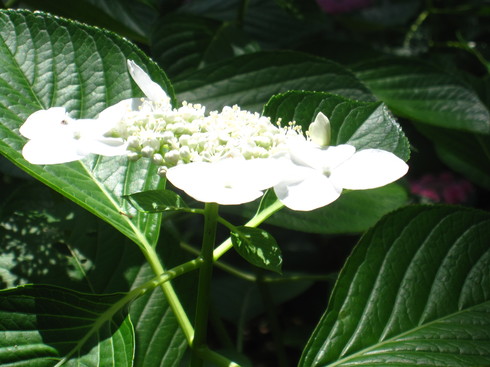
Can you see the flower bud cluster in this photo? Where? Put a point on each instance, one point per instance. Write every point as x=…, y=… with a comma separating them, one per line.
x=175, y=136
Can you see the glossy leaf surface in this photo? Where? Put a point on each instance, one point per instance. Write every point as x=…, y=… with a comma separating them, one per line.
x=413, y=293
x=47, y=61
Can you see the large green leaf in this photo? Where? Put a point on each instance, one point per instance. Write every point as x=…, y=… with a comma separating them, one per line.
x=413, y=293
x=361, y=124
x=250, y=80
x=182, y=43
x=41, y=325
x=47, y=61
x=178, y=42
x=422, y=92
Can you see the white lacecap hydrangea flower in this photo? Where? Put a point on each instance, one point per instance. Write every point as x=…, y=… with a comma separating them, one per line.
x=227, y=157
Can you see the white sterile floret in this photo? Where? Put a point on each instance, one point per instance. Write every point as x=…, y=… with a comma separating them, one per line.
x=229, y=181
x=151, y=89
x=315, y=177
x=57, y=138
x=319, y=130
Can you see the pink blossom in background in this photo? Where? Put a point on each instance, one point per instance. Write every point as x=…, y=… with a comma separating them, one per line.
x=342, y=6
x=442, y=188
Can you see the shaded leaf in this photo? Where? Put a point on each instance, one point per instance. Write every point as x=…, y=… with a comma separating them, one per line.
x=44, y=324
x=250, y=80
x=128, y=18
x=354, y=212
x=422, y=92
x=179, y=41
x=264, y=20
x=466, y=153
x=413, y=292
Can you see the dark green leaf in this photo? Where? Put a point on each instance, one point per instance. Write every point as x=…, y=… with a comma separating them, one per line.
x=466, y=153
x=47, y=61
x=264, y=20
x=178, y=42
x=250, y=80
x=156, y=201
x=44, y=324
x=413, y=293
x=422, y=92
x=67, y=246
x=257, y=247
x=228, y=42
x=355, y=211
x=128, y=18
x=363, y=125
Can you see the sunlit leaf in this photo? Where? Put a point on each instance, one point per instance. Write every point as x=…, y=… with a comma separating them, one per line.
x=413, y=293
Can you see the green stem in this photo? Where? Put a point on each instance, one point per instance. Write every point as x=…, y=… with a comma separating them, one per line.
x=204, y=285
x=170, y=294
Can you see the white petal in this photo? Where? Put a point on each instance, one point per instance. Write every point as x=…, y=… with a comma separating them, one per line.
x=311, y=192
x=368, y=169
x=305, y=153
x=336, y=155
x=320, y=131
x=151, y=89
x=51, y=151
x=226, y=182
x=104, y=146
x=113, y=114
x=43, y=122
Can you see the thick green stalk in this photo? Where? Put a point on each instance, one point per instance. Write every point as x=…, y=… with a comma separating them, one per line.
x=171, y=296
x=204, y=285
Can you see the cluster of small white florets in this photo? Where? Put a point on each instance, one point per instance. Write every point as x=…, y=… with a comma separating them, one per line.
x=183, y=135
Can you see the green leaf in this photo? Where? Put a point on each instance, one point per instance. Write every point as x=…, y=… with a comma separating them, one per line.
x=250, y=80
x=413, y=293
x=264, y=20
x=67, y=246
x=354, y=212
x=44, y=324
x=181, y=43
x=128, y=18
x=47, y=61
x=422, y=92
x=228, y=42
x=466, y=153
x=156, y=201
x=257, y=247
x=361, y=124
